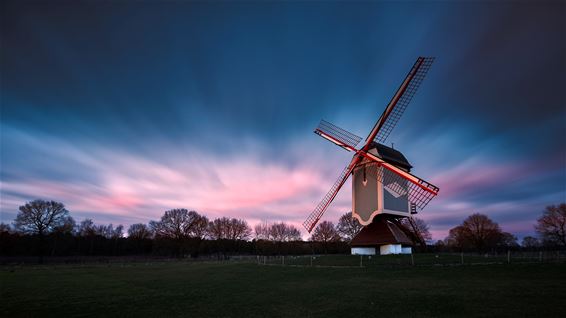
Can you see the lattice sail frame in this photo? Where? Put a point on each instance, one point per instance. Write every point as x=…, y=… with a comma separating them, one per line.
x=421, y=69
x=341, y=135
x=419, y=195
x=317, y=213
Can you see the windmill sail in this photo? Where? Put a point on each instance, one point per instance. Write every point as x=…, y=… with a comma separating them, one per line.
x=317, y=213
x=400, y=101
x=404, y=99
x=337, y=135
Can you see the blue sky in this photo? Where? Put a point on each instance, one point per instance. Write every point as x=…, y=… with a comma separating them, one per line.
x=124, y=110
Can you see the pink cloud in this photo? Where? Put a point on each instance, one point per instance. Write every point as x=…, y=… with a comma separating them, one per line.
x=245, y=185
x=480, y=173
x=137, y=187
x=476, y=174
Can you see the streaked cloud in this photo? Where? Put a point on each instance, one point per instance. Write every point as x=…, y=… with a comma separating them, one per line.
x=124, y=113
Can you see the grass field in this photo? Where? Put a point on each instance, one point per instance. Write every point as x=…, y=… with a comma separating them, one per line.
x=249, y=290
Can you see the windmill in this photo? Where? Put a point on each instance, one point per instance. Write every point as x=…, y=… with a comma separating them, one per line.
x=383, y=190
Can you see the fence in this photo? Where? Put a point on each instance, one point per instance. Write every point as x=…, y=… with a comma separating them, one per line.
x=330, y=260
x=421, y=259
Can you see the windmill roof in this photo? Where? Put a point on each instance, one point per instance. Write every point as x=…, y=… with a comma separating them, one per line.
x=381, y=232
x=391, y=155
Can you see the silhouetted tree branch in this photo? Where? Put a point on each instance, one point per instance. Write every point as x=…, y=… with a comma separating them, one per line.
x=551, y=226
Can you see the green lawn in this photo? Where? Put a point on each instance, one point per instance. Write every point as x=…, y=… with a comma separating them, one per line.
x=249, y=290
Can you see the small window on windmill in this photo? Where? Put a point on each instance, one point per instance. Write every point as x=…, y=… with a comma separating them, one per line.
x=365, y=181
x=396, y=194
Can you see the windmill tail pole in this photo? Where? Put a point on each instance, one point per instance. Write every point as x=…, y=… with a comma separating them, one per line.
x=417, y=233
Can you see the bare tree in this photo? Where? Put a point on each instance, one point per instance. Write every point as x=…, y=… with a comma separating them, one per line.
x=231, y=229
x=477, y=231
x=139, y=231
x=218, y=228
x=348, y=226
x=108, y=231
x=421, y=228
x=507, y=240
x=457, y=238
x=261, y=231
x=325, y=232
x=5, y=228
x=118, y=232
x=530, y=242
x=282, y=232
x=199, y=226
x=41, y=218
x=278, y=232
x=175, y=224
x=66, y=227
x=103, y=230
x=292, y=233
x=239, y=230
x=551, y=226
x=87, y=228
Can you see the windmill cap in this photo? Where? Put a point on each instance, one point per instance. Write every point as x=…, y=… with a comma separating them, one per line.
x=391, y=155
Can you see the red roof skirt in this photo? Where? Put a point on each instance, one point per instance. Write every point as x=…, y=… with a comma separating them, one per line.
x=382, y=232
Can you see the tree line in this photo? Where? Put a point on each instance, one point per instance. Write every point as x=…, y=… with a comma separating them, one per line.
x=46, y=228
x=481, y=234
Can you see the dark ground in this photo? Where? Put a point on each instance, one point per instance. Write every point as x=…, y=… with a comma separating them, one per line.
x=250, y=290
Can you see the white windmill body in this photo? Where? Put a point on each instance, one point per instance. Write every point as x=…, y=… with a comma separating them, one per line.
x=383, y=189
x=371, y=196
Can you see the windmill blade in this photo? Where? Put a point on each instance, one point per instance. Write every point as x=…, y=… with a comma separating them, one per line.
x=337, y=135
x=317, y=213
x=405, y=98
x=399, y=102
x=419, y=192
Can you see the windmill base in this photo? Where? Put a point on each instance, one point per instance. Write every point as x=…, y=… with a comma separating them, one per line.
x=363, y=250
x=384, y=236
x=383, y=250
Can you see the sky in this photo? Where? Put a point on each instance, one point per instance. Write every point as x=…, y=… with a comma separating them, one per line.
x=123, y=110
